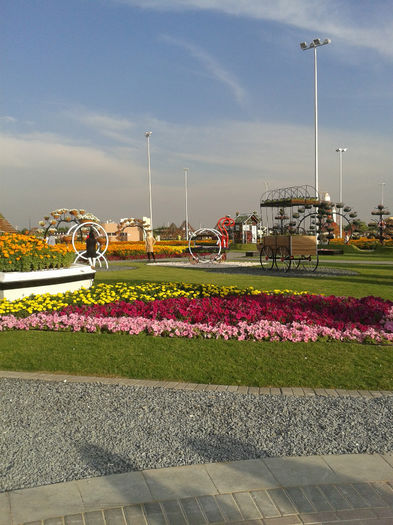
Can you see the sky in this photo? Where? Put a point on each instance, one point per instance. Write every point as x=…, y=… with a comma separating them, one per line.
x=222, y=85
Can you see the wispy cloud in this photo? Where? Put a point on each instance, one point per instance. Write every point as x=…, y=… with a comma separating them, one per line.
x=210, y=64
x=335, y=19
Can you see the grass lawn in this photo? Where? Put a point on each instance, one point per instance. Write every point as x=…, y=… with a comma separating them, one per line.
x=317, y=365
x=370, y=279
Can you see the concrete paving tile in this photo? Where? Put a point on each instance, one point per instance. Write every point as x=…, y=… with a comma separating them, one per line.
x=388, y=458
x=360, y=467
x=296, y=471
x=54, y=521
x=250, y=474
x=94, y=518
x=201, y=386
x=385, y=491
x=265, y=504
x=368, y=492
x=173, y=512
x=222, y=388
x=275, y=391
x=192, y=511
x=375, y=393
x=114, y=517
x=384, y=512
x=356, y=514
x=253, y=390
x=228, y=507
x=309, y=391
x=320, y=392
x=317, y=498
x=365, y=393
x=114, y=490
x=232, y=388
x=154, y=514
x=5, y=509
x=284, y=520
x=353, y=496
x=210, y=509
x=134, y=515
x=45, y=502
x=282, y=501
x=286, y=391
x=335, y=498
x=242, y=390
x=179, y=482
x=74, y=519
x=299, y=499
x=331, y=392
x=319, y=517
x=298, y=392
x=263, y=390
x=247, y=506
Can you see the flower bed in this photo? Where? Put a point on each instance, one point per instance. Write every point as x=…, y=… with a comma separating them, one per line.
x=136, y=250
x=184, y=310
x=24, y=253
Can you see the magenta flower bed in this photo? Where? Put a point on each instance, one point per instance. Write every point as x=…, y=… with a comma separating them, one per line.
x=267, y=317
x=331, y=312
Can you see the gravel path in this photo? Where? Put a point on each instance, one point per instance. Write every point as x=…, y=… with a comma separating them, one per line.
x=252, y=268
x=54, y=432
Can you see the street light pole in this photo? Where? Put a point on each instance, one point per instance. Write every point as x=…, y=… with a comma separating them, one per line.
x=382, y=188
x=147, y=135
x=313, y=45
x=340, y=152
x=186, y=188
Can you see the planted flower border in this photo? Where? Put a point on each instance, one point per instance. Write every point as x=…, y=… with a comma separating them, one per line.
x=29, y=266
x=184, y=310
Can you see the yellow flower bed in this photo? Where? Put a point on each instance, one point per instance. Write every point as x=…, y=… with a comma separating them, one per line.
x=26, y=252
x=107, y=293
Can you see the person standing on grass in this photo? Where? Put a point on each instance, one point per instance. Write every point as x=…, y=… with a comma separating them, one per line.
x=149, y=243
x=91, y=248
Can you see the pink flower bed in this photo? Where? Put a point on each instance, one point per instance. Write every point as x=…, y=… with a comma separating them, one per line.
x=253, y=317
x=259, y=331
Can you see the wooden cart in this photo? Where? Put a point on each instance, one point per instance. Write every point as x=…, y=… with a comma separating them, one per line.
x=284, y=252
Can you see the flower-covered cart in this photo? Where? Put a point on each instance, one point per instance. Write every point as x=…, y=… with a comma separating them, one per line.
x=297, y=221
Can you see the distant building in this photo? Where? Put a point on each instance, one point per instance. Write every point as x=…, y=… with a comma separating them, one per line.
x=247, y=228
x=119, y=231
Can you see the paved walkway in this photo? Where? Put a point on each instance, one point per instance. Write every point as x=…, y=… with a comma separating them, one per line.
x=353, y=489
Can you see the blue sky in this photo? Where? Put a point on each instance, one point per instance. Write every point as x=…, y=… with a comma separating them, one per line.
x=222, y=85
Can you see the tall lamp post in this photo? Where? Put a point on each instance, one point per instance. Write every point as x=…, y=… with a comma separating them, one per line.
x=186, y=190
x=382, y=188
x=313, y=45
x=340, y=152
x=147, y=135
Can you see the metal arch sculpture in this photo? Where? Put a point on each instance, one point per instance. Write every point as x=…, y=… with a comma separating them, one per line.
x=221, y=244
x=212, y=257
x=80, y=254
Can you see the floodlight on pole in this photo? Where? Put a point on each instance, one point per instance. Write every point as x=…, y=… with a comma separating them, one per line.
x=340, y=152
x=186, y=190
x=317, y=42
x=382, y=184
x=147, y=135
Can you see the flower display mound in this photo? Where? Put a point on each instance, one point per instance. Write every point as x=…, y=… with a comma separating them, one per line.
x=122, y=250
x=332, y=312
x=25, y=253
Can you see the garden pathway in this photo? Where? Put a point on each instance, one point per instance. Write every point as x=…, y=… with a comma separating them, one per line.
x=352, y=489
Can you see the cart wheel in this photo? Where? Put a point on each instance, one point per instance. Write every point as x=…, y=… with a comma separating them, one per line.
x=266, y=258
x=309, y=263
x=282, y=259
